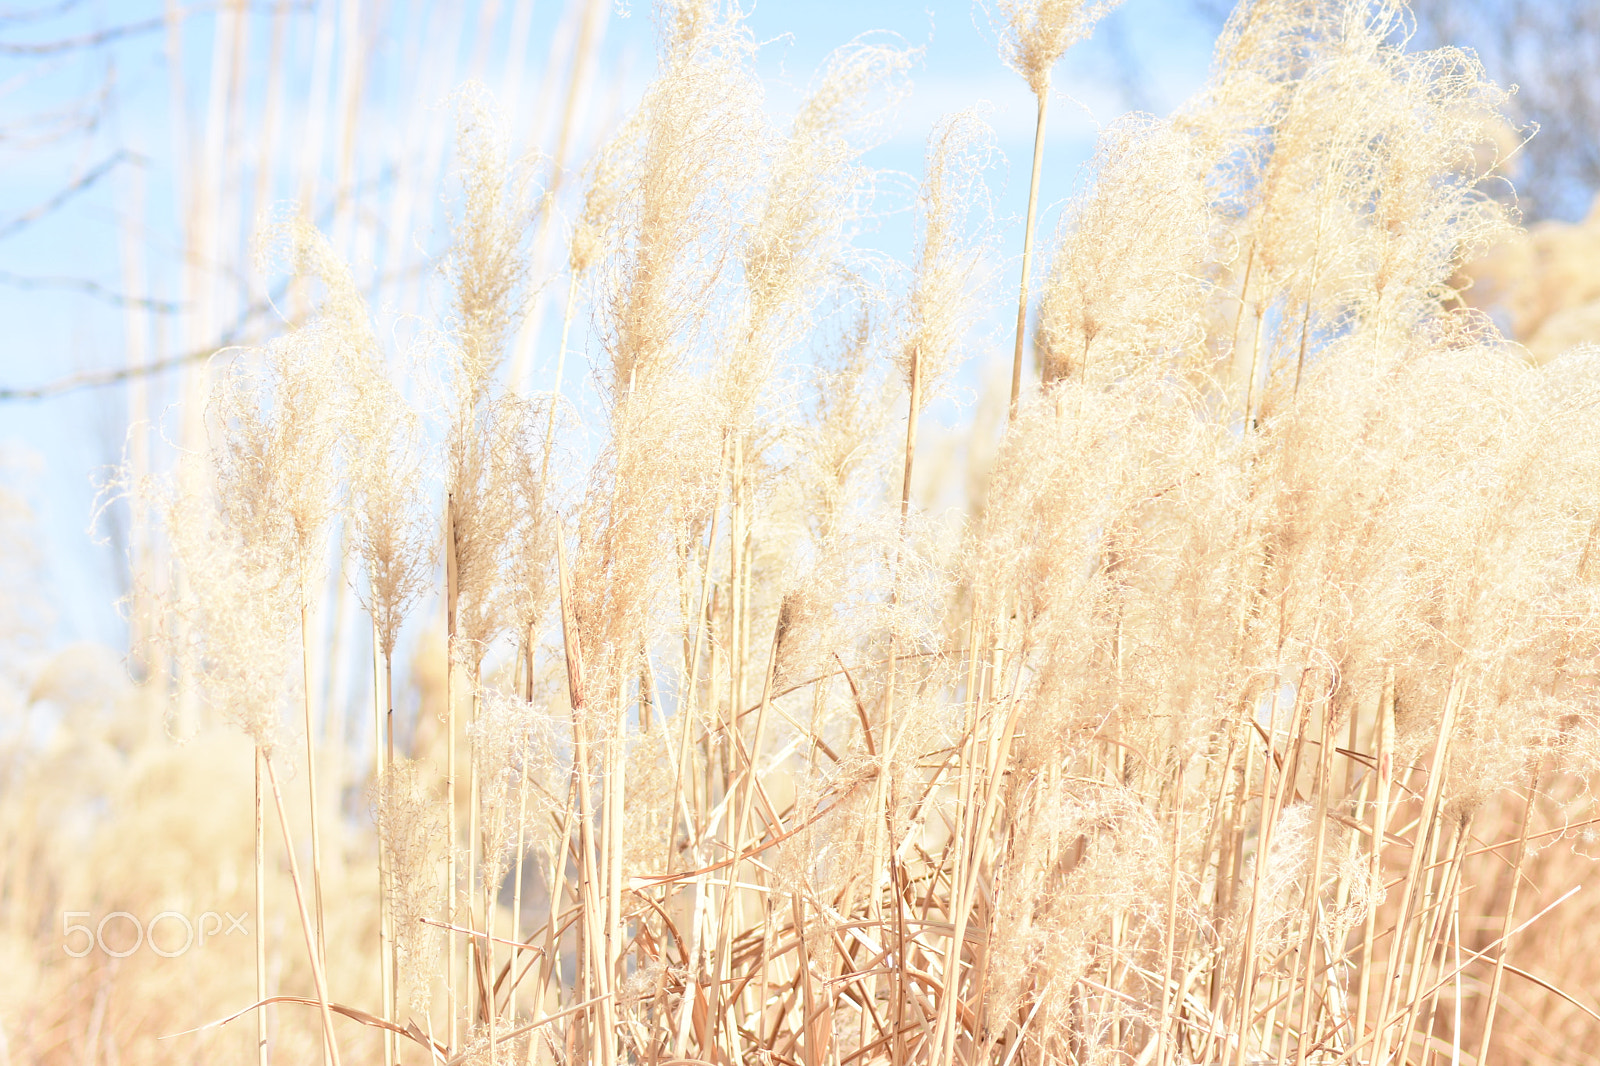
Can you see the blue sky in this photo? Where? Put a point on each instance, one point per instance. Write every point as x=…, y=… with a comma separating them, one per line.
x=1149, y=54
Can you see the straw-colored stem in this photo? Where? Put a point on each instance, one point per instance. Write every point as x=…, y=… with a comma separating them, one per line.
x=1426, y=826
x=261, y=916
x=1492, y=1001
x=913, y=409
x=479, y=952
x=318, y=973
x=311, y=784
x=388, y=762
x=1313, y=909
x=615, y=817
x=692, y=667
x=453, y=944
x=1170, y=934
x=555, y=388
x=380, y=760
x=1379, y=800
x=582, y=50
x=963, y=845
x=591, y=929
x=1274, y=796
x=520, y=856
x=1027, y=249
x=484, y=1001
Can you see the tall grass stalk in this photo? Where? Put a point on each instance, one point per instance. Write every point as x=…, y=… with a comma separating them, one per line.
x=260, y=939
x=1023, y=287
x=318, y=969
x=453, y=964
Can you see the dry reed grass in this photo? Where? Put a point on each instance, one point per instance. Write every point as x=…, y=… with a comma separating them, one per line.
x=1250, y=721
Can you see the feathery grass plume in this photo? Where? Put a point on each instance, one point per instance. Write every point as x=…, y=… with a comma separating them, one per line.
x=414, y=841
x=684, y=159
x=607, y=184
x=238, y=602
x=289, y=241
x=1283, y=873
x=274, y=455
x=490, y=461
x=1541, y=285
x=1264, y=140
x=814, y=195
x=1112, y=525
x=530, y=540
x=1035, y=34
x=386, y=491
x=1079, y=859
x=1128, y=278
x=946, y=292
x=488, y=266
x=246, y=557
x=395, y=532
x=830, y=513
x=1400, y=479
x=501, y=739
x=845, y=439
x=276, y=447
x=1430, y=212
x=1365, y=216
x=660, y=473
x=1264, y=49
x=1093, y=509
x=1489, y=547
x=668, y=278
x=946, y=288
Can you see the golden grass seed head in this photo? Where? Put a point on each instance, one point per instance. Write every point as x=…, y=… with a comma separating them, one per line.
x=1035, y=34
x=950, y=270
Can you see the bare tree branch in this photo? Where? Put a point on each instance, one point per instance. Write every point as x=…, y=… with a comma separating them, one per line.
x=86, y=40
x=33, y=214
x=90, y=379
x=35, y=14
x=233, y=337
x=91, y=288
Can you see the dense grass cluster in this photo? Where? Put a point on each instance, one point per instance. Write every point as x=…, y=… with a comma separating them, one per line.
x=1240, y=714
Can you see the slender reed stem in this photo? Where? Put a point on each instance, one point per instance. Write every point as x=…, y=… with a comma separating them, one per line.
x=1492, y=1001
x=601, y=1033
x=380, y=758
x=453, y=948
x=522, y=825
x=1170, y=937
x=1382, y=777
x=311, y=786
x=318, y=975
x=479, y=952
x=311, y=776
x=261, y=917
x=1027, y=250
x=1427, y=824
x=914, y=408
x=1313, y=908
